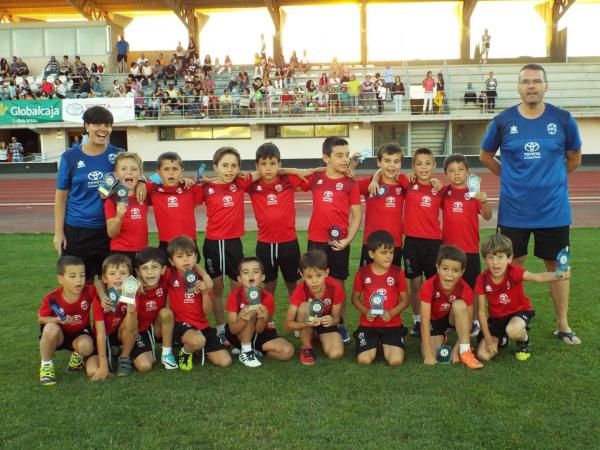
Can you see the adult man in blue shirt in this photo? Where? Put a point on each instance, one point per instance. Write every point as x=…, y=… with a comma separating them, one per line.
x=122, y=50
x=540, y=145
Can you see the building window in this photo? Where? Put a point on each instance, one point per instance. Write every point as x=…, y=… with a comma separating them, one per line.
x=202, y=133
x=306, y=131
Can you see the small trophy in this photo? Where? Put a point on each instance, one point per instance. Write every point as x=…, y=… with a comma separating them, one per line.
x=200, y=172
x=107, y=184
x=474, y=184
x=315, y=309
x=364, y=154
x=444, y=354
x=253, y=296
x=376, y=301
x=113, y=295
x=381, y=191
x=130, y=287
x=155, y=178
x=190, y=278
x=563, y=259
x=335, y=233
x=122, y=193
x=59, y=312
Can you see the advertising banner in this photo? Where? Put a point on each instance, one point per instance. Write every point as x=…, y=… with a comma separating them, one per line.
x=31, y=111
x=121, y=108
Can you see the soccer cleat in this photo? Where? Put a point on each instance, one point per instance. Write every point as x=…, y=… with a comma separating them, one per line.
x=416, y=330
x=224, y=342
x=75, y=363
x=469, y=360
x=185, y=361
x=307, y=356
x=503, y=341
x=124, y=367
x=47, y=375
x=475, y=329
x=249, y=359
x=169, y=361
x=523, y=353
x=344, y=333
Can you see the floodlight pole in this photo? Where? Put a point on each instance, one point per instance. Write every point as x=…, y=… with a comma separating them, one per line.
x=556, y=42
x=465, y=13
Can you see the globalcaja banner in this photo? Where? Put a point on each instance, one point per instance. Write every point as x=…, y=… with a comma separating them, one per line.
x=30, y=111
x=121, y=108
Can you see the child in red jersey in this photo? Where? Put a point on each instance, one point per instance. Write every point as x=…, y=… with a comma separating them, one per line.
x=460, y=213
x=113, y=328
x=446, y=301
x=316, y=284
x=191, y=304
x=509, y=308
x=126, y=222
x=155, y=319
x=250, y=328
x=383, y=278
x=336, y=196
x=64, y=319
x=222, y=248
x=275, y=211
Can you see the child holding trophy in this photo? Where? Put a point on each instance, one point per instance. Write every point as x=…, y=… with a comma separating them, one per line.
x=315, y=307
x=250, y=311
x=380, y=294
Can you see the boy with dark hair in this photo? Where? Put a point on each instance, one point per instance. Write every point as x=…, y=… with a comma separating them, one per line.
x=446, y=301
x=380, y=280
x=316, y=285
x=64, y=318
x=509, y=308
x=191, y=304
x=460, y=213
x=250, y=326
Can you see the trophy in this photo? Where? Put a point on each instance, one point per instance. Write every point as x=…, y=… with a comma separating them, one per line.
x=122, y=193
x=474, y=184
x=59, y=312
x=113, y=295
x=335, y=233
x=563, y=259
x=155, y=178
x=364, y=154
x=315, y=309
x=107, y=184
x=253, y=296
x=190, y=278
x=130, y=287
x=444, y=354
x=381, y=191
x=376, y=301
x=200, y=172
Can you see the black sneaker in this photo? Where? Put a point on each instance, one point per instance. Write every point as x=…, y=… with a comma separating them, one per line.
x=416, y=330
x=125, y=367
x=503, y=341
x=523, y=353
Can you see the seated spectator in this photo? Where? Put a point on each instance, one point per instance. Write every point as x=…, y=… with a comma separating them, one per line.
x=4, y=68
x=142, y=60
x=227, y=65
x=12, y=90
x=171, y=91
x=139, y=104
x=293, y=61
x=192, y=50
x=147, y=74
x=470, y=94
x=170, y=74
x=482, y=100
x=167, y=103
x=209, y=84
x=13, y=67
x=136, y=84
x=322, y=99
x=344, y=98
x=95, y=70
x=279, y=78
x=333, y=101
x=77, y=76
x=95, y=85
x=47, y=87
x=134, y=70
x=311, y=90
x=334, y=80
x=298, y=101
x=288, y=72
x=245, y=100
x=153, y=105
x=217, y=66
x=286, y=101
x=304, y=64
x=65, y=66
x=22, y=69
x=51, y=67
x=85, y=89
x=116, y=88
x=271, y=64
x=60, y=89
x=207, y=66
x=213, y=100
x=324, y=80
x=225, y=103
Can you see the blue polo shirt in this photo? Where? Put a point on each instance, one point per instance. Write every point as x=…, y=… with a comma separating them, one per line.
x=122, y=47
x=533, y=179
x=80, y=175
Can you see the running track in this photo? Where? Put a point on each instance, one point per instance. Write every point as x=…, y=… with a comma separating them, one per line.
x=26, y=205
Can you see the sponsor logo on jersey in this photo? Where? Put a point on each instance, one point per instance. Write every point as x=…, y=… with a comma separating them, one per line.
x=504, y=299
x=532, y=150
x=457, y=207
x=172, y=202
x=95, y=175
x=328, y=196
x=228, y=201
x=426, y=201
x=390, y=202
x=271, y=199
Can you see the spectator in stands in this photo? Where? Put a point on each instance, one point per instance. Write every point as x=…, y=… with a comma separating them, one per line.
x=262, y=62
x=172, y=92
x=116, y=88
x=95, y=70
x=170, y=74
x=4, y=69
x=15, y=149
x=286, y=101
x=333, y=101
x=12, y=90
x=388, y=77
x=428, y=85
x=166, y=103
x=52, y=67
x=258, y=70
x=440, y=93
x=289, y=76
x=324, y=80
x=334, y=80
x=298, y=101
x=77, y=75
x=482, y=100
x=269, y=93
x=147, y=74
x=22, y=70
x=129, y=93
x=293, y=61
x=279, y=76
x=398, y=94
x=304, y=64
x=136, y=84
x=344, y=98
x=157, y=72
x=225, y=103
x=245, y=101
x=485, y=46
x=64, y=67
x=60, y=89
x=47, y=87
x=207, y=66
x=322, y=99
x=381, y=93
x=153, y=105
x=209, y=84
x=180, y=52
x=95, y=85
x=3, y=152
x=367, y=90
x=122, y=52
x=263, y=46
x=354, y=92
x=192, y=50
x=134, y=70
x=142, y=60
x=335, y=65
x=227, y=65
x=491, y=85
x=470, y=94
x=139, y=104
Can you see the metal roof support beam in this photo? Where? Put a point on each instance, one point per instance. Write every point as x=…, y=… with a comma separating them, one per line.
x=363, y=33
x=188, y=17
x=6, y=16
x=556, y=43
x=90, y=10
x=465, y=13
x=278, y=18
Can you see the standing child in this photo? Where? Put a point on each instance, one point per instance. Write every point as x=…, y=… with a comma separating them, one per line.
x=69, y=330
x=446, y=301
x=509, y=308
x=316, y=284
x=383, y=278
x=460, y=214
x=191, y=305
x=250, y=329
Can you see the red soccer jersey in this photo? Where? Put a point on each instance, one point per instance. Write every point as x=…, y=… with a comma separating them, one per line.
x=334, y=295
x=460, y=219
x=422, y=211
x=441, y=302
x=78, y=310
x=332, y=198
x=237, y=300
x=133, y=236
x=508, y=296
x=112, y=320
x=274, y=208
x=390, y=284
x=174, y=210
x=186, y=307
x=225, y=209
x=384, y=212
x=149, y=304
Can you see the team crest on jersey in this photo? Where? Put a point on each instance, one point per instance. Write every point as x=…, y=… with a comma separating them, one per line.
x=271, y=199
x=398, y=190
x=339, y=186
x=211, y=191
x=514, y=130
x=368, y=280
x=80, y=164
x=504, y=299
x=452, y=298
x=84, y=305
x=488, y=288
x=390, y=281
x=159, y=292
x=327, y=301
x=278, y=187
x=111, y=158
x=552, y=128
x=457, y=207
x=426, y=201
x=328, y=196
x=467, y=196
x=172, y=202
x=437, y=294
x=228, y=201
x=233, y=188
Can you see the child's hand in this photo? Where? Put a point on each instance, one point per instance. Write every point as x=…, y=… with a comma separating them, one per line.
x=412, y=177
x=490, y=347
x=206, y=179
x=429, y=361
x=373, y=187
x=349, y=172
x=369, y=317
x=107, y=304
x=68, y=320
x=262, y=312
x=339, y=245
x=121, y=209
x=481, y=196
x=246, y=314
x=101, y=374
x=564, y=276
x=436, y=184
x=140, y=191
x=187, y=182
x=243, y=174
x=386, y=317
x=315, y=322
x=206, y=279
x=326, y=321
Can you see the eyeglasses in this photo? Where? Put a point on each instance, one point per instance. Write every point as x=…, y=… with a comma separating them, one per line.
x=536, y=82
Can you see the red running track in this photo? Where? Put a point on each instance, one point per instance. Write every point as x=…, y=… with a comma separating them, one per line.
x=26, y=205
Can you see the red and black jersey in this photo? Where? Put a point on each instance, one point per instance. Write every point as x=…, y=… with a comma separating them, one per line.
x=460, y=221
x=422, y=211
x=225, y=209
x=441, y=302
x=79, y=310
x=112, y=319
x=149, y=304
x=186, y=307
x=174, y=210
x=508, y=296
x=133, y=235
x=237, y=300
x=333, y=295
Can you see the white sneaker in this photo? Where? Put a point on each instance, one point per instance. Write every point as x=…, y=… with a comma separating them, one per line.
x=296, y=333
x=249, y=359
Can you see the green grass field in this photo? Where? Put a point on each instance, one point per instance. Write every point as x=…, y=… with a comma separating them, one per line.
x=550, y=401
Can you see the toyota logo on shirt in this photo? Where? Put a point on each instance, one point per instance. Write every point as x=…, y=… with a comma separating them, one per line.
x=504, y=299
x=172, y=202
x=135, y=211
x=381, y=291
x=95, y=175
x=228, y=201
x=426, y=201
x=271, y=199
x=328, y=196
x=532, y=147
